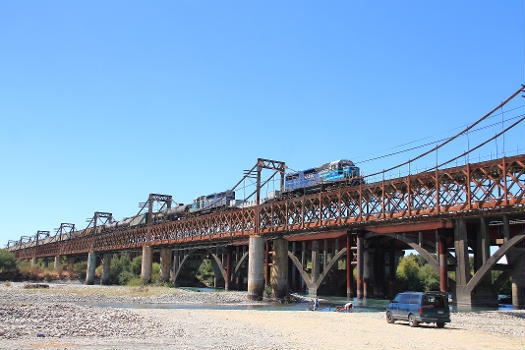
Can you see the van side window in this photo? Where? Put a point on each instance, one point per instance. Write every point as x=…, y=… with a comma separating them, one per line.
x=405, y=298
x=414, y=299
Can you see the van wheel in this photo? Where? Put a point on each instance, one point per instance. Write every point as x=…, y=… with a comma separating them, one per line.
x=389, y=317
x=440, y=324
x=412, y=322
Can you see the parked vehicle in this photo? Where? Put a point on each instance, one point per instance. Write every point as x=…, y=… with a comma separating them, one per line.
x=419, y=307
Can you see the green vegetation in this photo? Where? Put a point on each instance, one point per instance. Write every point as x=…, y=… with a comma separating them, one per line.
x=7, y=260
x=205, y=272
x=414, y=274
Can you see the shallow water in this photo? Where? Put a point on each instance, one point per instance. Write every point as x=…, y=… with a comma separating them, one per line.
x=327, y=304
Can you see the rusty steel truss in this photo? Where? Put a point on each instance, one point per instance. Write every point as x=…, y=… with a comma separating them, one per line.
x=463, y=190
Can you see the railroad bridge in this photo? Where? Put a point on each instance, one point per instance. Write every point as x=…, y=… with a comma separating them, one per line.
x=447, y=214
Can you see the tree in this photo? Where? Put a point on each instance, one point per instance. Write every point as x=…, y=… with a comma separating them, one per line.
x=7, y=260
x=408, y=273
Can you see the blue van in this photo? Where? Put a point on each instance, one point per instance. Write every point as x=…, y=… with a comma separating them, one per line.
x=419, y=307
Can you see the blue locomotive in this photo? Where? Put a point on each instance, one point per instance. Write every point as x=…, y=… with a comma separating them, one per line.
x=313, y=179
x=214, y=200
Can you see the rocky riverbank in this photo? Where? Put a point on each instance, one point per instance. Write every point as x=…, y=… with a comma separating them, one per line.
x=115, y=295
x=62, y=316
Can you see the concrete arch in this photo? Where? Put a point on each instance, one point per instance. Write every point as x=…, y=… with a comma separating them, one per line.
x=433, y=262
x=422, y=251
x=239, y=264
x=313, y=285
x=219, y=265
x=498, y=254
x=181, y=265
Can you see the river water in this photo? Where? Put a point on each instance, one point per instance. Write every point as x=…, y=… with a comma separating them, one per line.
x=327, y=304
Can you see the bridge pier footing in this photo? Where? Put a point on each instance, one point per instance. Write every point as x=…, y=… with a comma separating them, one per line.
x=256, y=268
x=106, y=266
x=279, y=277
x=147, y=262
x=90, y=269
x=165, y=257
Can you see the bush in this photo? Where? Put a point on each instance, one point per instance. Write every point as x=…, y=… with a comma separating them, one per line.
x=125, y=277
x=155, y=272
x=205, y=272
x=119, y=264
x=80, y=268
x=408, y=274
x=136, y=265
x=429, y=278
x=98, y=271
x=7, y=260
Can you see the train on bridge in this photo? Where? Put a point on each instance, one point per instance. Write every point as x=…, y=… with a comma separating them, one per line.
x=308, y=181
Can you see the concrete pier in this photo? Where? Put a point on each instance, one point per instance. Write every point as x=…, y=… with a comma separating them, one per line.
x=165, y=260
x=518, y=283
x=359, y=268
x=106, y=266
x=57, y=266
x=279, y=277
x=256, y=268
x=147, y=261
x=312, y=291
x=348, y=268
x=91, y=266
x=33, y=262
x=463, y=296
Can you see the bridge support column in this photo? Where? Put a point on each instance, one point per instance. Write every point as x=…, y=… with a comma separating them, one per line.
x=106, y=266
x=280, y=268
x=518, y=283
x=91, y=266
x=33, y=262
x=56, y=265
x=367, y=271
x=216, y=273
x=174, y=267
x=147, y=261
x=463, y=296
x=267, y=263
x=165, y=257
x=359, y=267
x=256, y=268
x=348, y=268
x=442, y=251
x=312, y=291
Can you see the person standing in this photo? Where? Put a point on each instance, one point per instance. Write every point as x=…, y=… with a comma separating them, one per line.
x=316, y=304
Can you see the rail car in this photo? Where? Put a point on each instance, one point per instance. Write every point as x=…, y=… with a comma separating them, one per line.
x=319, y=178
x=213, y=201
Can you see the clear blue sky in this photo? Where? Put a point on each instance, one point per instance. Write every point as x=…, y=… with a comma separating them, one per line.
x=103, y=102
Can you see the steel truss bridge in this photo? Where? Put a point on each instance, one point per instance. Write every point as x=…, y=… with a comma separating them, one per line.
x=472, y=189
x=448, y=200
